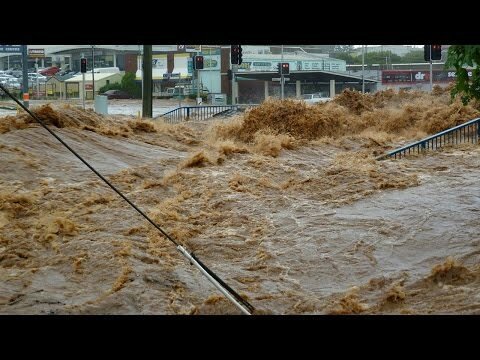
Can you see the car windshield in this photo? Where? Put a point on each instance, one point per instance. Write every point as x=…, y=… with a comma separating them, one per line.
x=307, y=96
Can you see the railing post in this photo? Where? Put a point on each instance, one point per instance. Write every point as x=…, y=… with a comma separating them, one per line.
x=188, y=112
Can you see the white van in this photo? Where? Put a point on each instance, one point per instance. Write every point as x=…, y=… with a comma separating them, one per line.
x=314, y=98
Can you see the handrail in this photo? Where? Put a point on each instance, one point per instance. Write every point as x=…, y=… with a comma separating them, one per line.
x=471, y=131
x=198, y=112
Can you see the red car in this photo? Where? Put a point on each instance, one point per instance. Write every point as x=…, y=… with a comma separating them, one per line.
x=49, y=71
x=116, y=94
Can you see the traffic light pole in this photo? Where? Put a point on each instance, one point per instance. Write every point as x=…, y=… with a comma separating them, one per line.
x=281, y=76
x=198, y=79
x=83, y=90
x=431, y=73
x=234, y=85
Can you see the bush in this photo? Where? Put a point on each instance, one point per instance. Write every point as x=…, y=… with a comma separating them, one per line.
x=114, y=86
x=131, y=86
x=128, y=84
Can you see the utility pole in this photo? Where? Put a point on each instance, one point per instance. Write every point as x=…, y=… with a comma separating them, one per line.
x=363, y=69
x=281, y=74
x=26, y=96
x=147, y=81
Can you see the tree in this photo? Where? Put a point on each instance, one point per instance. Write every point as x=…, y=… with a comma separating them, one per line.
x=460, y=57
x=343, y=49
x=380, y=57
x=344, y=52
x=413, y=56
x=130, y=85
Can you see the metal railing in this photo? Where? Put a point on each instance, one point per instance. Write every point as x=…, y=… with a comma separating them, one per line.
x=196, y=113
x=200, y=113
x=467, y=132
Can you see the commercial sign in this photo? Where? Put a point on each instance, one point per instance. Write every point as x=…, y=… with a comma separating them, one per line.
x=416, y=76
x=211, y=62
x=36, y=53
x=171, y=76
x=159, y=66
x=10, y=48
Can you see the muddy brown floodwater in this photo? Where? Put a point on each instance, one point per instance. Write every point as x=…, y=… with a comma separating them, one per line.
x=286, y=203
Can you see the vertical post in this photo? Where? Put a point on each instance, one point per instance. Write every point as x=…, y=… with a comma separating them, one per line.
x=198, y=87
x=363, y=69
x=431, y=71
x=25, y=76
x=332, y=89
x=147, y=81
x=265, y=85
x=83, y=90
x=198, y=80
x=298, y=88
x=281, y=75
x=140, y=64
x=93, y=68
x=234, y=84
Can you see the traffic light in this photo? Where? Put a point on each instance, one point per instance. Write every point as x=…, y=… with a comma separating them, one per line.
x=234, y=54
x=426, y=52
x=285, y=68
x=436, y=52
x=198, y=62
x=83, y=65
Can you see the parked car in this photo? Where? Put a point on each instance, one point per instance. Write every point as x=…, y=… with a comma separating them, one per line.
x=50, y=71
x=116, y=94
x=314, y=98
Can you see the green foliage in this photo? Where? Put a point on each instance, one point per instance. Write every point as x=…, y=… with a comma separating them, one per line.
x=349, y=58
x=114, y=86
x=460, y=57
x=131, y=86
x=345, y=49
x=127, y=84
x=413, y=56
x=380, y=57
x=376, y=57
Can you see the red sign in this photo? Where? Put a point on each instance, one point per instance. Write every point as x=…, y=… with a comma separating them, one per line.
x=88, y=86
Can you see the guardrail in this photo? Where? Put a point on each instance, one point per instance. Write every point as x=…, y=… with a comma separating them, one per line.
x=467, y=132
x=200, y=113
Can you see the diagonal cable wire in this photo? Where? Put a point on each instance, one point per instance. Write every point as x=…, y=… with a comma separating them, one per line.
x=231, y=294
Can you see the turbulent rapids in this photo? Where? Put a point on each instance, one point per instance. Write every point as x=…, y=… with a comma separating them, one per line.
x=286, y=203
